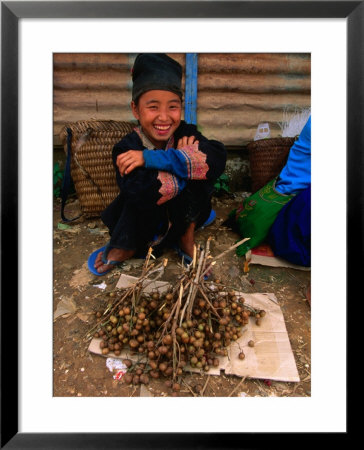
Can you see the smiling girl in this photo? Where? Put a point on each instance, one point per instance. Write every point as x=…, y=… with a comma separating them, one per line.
x=165, y=170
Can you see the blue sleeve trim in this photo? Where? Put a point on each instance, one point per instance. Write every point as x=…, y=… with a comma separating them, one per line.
x=170, y=160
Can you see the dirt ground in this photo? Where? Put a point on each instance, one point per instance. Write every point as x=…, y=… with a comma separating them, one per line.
x=78, y=373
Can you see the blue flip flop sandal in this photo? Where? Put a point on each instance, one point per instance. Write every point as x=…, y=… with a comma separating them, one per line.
x=92, y=258
x=210, y=219
x=187, y=260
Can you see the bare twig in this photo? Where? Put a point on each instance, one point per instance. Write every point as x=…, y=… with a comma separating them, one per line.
x=207, y=253
x=191, y=299
x=185, y=280
x=205, y=385
x=187, y=386
x=208, y=301
x=147, y=260
x=194, y=256
x=236, y=387
x=165, y=324
x=159, y=275
x=132, y=394
x=222, y=254
x=174, y=326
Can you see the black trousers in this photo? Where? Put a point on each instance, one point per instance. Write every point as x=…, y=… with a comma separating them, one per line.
x=136, y=226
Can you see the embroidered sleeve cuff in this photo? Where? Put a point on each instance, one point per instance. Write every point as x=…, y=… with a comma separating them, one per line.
x=170, y=187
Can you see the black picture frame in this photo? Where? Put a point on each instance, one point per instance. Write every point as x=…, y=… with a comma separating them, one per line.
x=11, y=12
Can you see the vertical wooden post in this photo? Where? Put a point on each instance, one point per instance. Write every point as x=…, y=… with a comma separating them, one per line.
x=191, y=88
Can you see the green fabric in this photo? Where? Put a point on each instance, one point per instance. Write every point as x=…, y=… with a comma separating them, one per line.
x=256, y=215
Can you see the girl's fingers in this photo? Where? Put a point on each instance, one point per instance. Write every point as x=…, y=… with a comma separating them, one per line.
x=180, y=143
x=122, y=168
x=130, y=168
x=187, y=140
x=129, y=164
x=123, y=163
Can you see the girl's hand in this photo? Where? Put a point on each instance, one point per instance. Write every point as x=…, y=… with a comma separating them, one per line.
x=186, y=140
x=129, y=161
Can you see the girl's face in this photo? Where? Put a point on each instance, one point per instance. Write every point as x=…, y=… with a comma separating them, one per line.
x=159, y=114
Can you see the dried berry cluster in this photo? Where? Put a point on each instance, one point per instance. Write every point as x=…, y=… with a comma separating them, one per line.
x=192, y=324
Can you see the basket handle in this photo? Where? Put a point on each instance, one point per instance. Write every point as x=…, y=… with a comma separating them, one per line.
x=67, y=179
x=82, y=140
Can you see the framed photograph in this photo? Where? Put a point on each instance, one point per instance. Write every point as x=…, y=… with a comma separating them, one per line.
x=31, y=33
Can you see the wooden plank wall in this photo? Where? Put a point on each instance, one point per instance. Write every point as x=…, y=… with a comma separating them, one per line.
x=236, y=92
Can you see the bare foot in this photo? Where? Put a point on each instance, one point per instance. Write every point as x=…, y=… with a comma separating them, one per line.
x=115, y=254
x=187, y=241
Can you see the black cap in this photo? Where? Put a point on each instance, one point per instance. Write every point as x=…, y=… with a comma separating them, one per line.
x=156, y=71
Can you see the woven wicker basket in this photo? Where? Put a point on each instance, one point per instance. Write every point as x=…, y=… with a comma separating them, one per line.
x=267, y=158
x=92, y=170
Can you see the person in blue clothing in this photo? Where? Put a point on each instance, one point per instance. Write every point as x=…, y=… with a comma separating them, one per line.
x=280, y=212
x=296, y=174
x=290, y=234
x=165, y=170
